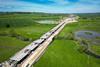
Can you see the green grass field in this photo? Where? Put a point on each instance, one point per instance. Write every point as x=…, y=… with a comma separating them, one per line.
x=61, y=53
x=33, y=32
x=8, y=47
x=20, y=24
x=64, y=52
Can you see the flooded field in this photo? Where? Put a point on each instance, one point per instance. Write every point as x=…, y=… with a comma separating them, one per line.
x=47, y=22
x=91, y=42
x=92, y=36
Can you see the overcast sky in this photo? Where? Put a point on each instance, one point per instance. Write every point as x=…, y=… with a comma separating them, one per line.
x=51, y=6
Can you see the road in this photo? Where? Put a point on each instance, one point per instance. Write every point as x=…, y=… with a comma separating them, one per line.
x=28, y=56
x=33, y=57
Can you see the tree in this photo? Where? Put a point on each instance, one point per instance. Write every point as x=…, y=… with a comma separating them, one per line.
x=7, y=25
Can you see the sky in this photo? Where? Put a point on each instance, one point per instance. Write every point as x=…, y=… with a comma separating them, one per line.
x=50, y=6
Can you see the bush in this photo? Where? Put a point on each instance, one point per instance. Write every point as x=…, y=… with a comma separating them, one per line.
x=13, y=33
x=70, y=36
x=82, y=48
x=7, y=26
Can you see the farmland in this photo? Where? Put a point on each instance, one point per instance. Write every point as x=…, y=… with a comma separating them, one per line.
x=63, y=51
x=24, y=25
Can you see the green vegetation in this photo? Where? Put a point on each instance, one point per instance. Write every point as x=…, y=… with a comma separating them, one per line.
x=88, y=33
x=9, y=46
x=63, y=51
x=12, y=25
x=97, y=38
x=18, y=20
x=96, y=49
x=25, y=19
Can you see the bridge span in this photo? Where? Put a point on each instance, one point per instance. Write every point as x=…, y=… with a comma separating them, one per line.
x=31, y=53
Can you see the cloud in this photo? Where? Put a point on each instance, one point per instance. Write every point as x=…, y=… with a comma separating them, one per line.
x=61, y=2
x=16, y=5
x=97, y=2
x=58, y=6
